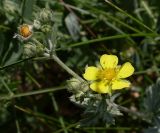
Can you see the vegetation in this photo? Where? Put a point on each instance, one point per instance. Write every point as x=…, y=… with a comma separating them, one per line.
x=46, y=50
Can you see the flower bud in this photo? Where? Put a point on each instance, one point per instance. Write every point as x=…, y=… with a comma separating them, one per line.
x=77, y=87
x=10, y=6
x=39, y=49
x=46, y=28
x=37, y=24
x=29, y=50
x=46, y=15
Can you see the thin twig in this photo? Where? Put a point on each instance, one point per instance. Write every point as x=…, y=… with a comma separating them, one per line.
x=8, y=97
x=64, y=66
x=56, y=108
x=124, y=109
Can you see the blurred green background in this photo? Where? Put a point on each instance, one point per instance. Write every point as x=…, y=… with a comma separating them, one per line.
x=86, y=29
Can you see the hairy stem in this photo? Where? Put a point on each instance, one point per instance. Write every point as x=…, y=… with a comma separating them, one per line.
x=9, y=97
x=64, y=66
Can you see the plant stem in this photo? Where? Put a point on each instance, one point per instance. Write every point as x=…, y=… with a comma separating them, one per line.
x=7, y=87
x=8, y=97
x=128, y=15
x=119, y=36
x=124, y=109
x=17, y=126
x=64, y=66
x=56, y=110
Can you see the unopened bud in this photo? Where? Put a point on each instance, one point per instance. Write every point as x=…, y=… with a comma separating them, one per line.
x=37, y=24
x=46, y=28
x=9, y=6
x=77, y=87
x=39, y=49
x=46, y=15
x=29, y=50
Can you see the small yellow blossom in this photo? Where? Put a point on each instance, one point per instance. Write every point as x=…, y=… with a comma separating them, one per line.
x=25, y=32
x=109, y=76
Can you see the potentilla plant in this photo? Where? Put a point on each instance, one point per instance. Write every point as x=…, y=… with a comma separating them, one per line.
x=102, y=81
x=96, y=89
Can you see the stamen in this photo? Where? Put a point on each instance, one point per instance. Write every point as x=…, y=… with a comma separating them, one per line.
x=108, y=74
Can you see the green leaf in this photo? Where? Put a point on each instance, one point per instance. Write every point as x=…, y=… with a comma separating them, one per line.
x=27, y=8
x=72, y=26
x=152, y=130
x=97, y=114
x=152, y=100
x=11, y=55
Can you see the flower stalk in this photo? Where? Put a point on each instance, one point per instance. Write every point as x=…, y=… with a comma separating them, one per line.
x=124, y=109
x=64, y=66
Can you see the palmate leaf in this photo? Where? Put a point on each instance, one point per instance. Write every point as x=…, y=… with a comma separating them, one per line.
x=152, y=130
x=152, y=107
x=94, y=119
x=97, y=115
x=152, y=99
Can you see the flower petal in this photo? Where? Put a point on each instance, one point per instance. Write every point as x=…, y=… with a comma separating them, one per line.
x=125, y=71
x=108, y=61
x=100, y=87
x=91, y=73
x=120, y=84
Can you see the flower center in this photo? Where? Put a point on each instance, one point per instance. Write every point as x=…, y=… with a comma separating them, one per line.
x=108, y=74
x=25, y=31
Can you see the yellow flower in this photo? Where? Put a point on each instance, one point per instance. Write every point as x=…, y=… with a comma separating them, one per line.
x=109, y=76
x=25, y=32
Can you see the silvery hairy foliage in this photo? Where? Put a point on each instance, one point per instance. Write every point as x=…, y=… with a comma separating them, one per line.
x=99, y=110
x=99, y=113
x=152, y=107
